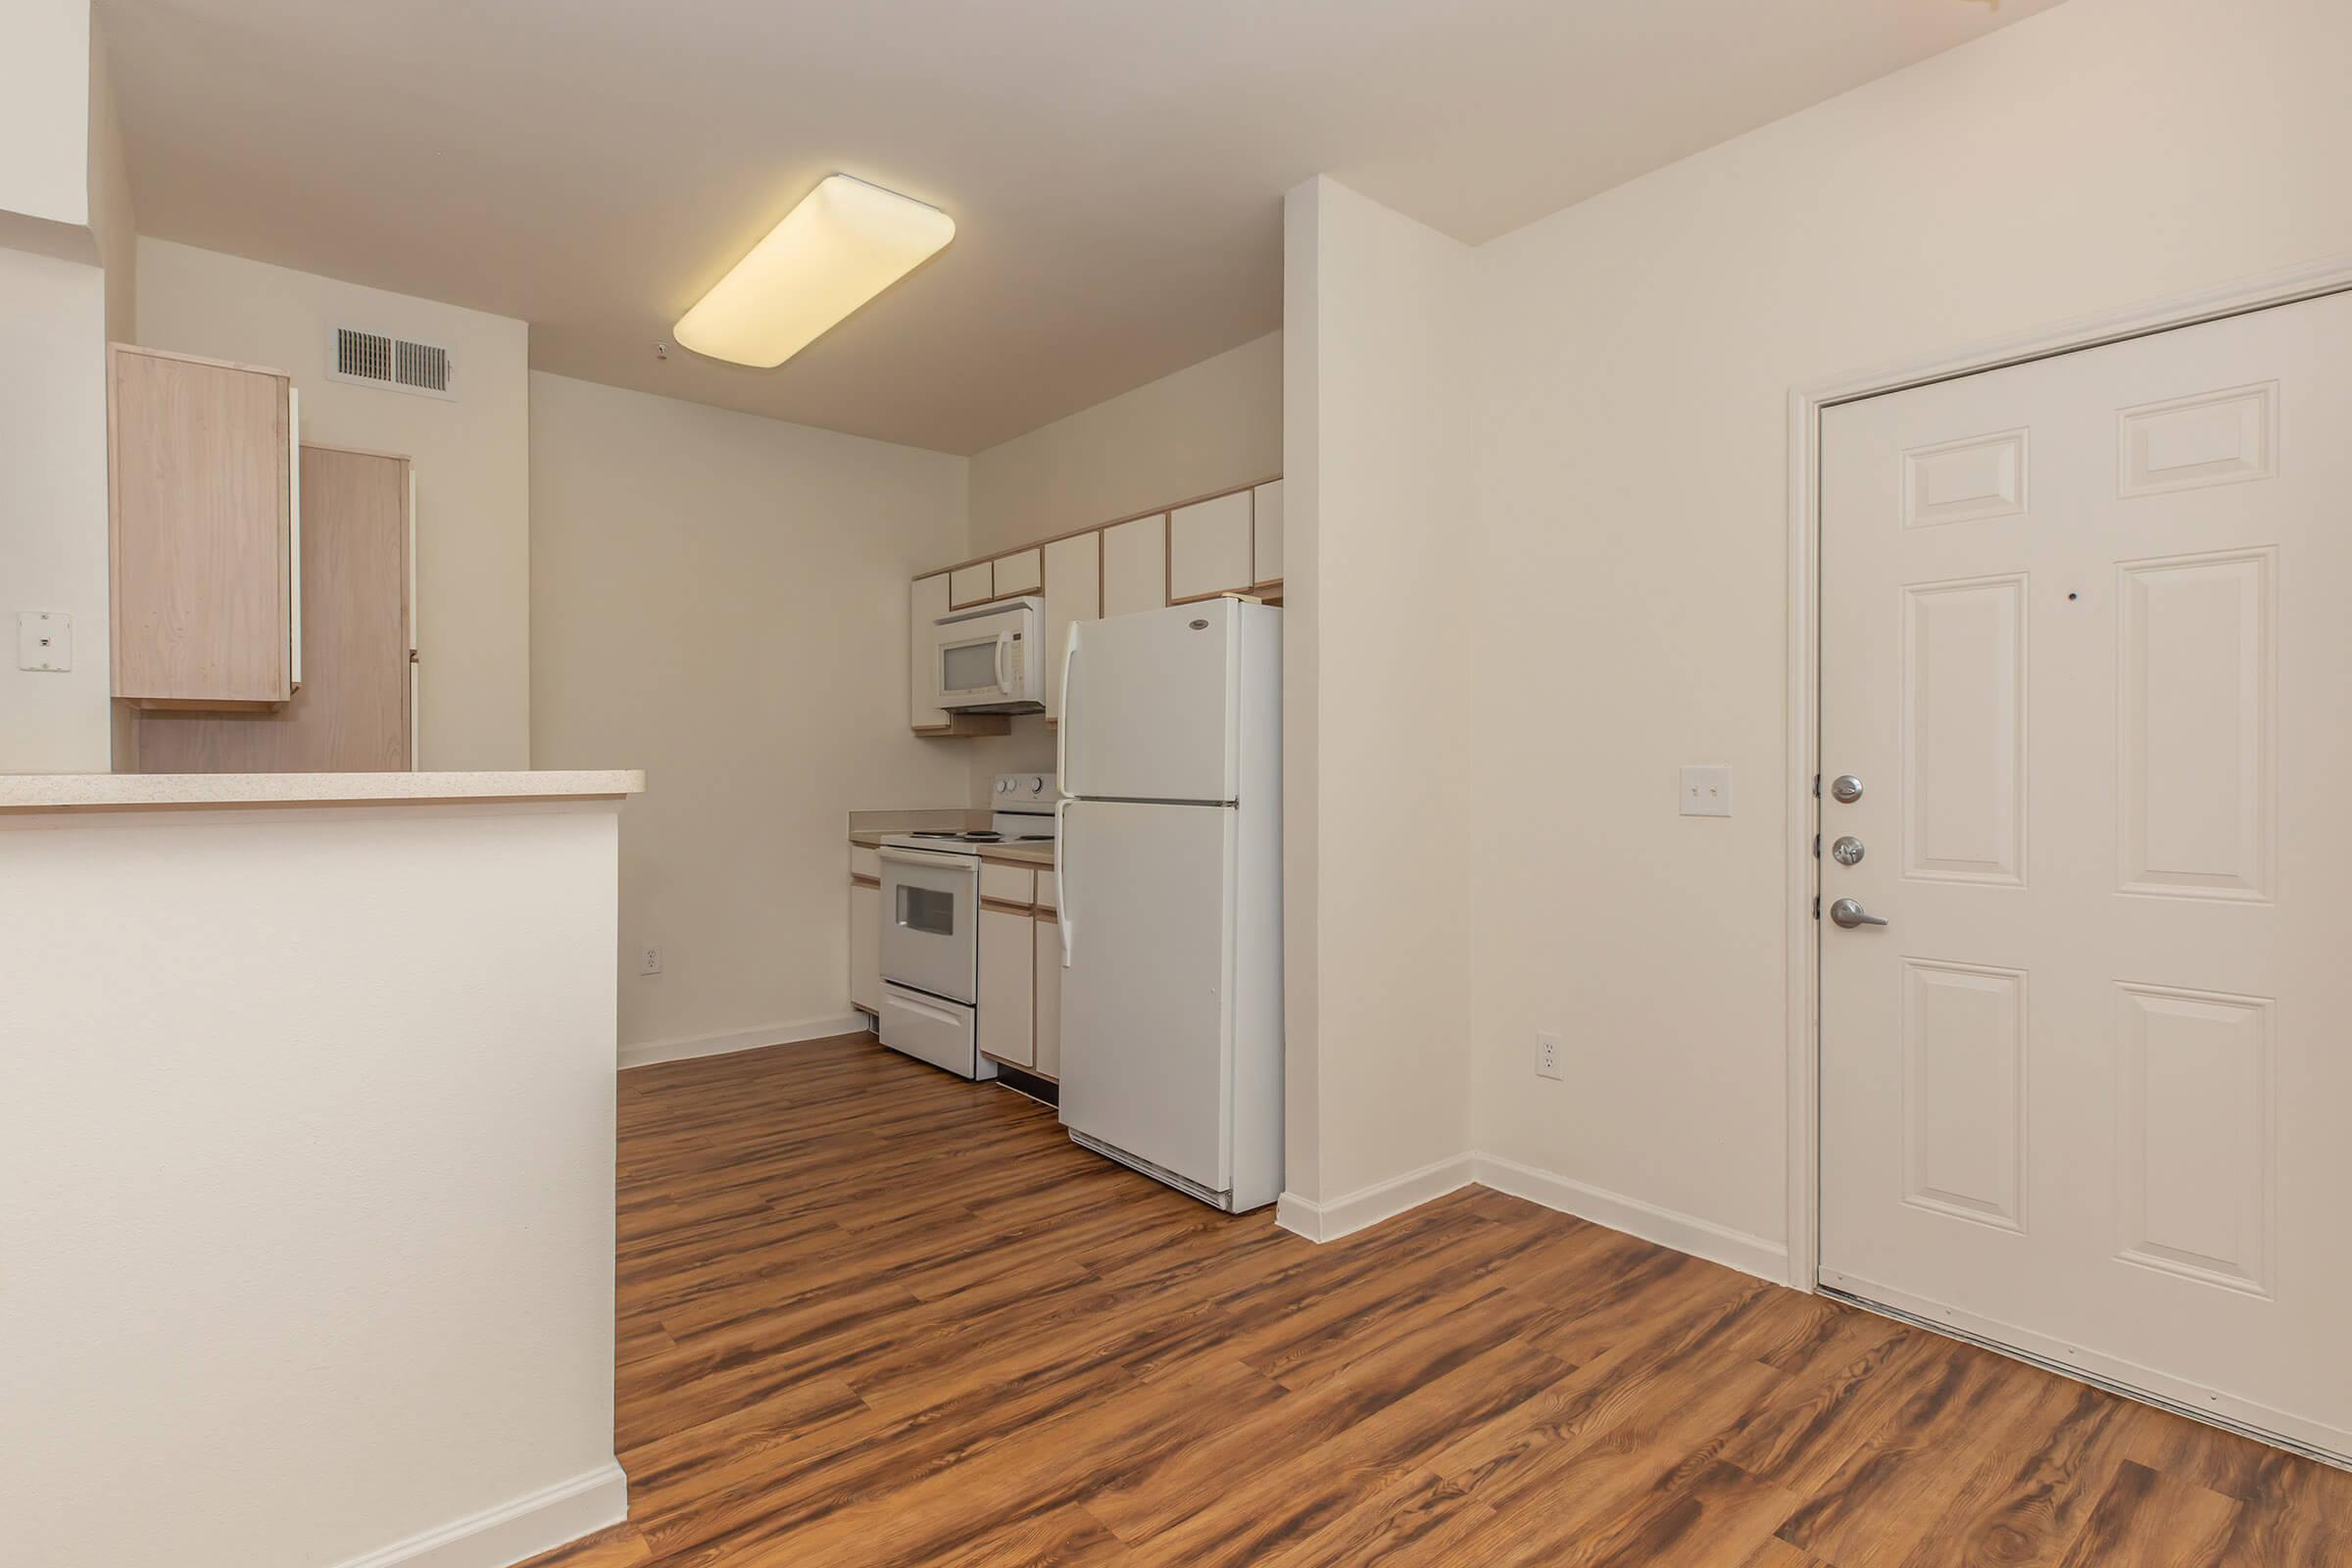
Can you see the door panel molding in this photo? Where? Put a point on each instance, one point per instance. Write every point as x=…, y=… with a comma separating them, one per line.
x=1802, y=697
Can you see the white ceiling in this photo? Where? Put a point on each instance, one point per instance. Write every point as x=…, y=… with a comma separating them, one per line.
x=1115, y=169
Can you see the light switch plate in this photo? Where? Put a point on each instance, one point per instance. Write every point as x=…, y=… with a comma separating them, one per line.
x=1706, y=792
x=44, y=640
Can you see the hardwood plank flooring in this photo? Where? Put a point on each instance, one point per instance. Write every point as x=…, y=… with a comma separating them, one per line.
x=875, y=1317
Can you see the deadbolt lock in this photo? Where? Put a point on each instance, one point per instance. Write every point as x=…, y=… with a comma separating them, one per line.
x=1845, y=789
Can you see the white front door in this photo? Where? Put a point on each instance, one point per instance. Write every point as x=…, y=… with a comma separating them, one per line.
x=2087, y=648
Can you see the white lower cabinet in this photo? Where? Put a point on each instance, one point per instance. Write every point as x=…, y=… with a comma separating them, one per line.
x=865, y=947
x=1048, y=1006
x=1007, y=984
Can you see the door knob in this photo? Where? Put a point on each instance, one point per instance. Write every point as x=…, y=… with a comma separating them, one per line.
x=1850, y=913
x=1845, y=789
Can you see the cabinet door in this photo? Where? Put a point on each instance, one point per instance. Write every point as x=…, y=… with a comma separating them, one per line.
x=1269, y=532
x=351, y=711
x=1047, y=931
x=865, y=946
x=1135, y=566
x=1208, y=548
x=1073, y=593
x=926, y=602
x=972, y=585
x=202, y=517
x=1021, y=572
x=1007, y=980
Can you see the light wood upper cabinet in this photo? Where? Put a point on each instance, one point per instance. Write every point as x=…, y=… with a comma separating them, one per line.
x=1209, y=548
x=926, y=602
x=1045, y=1030
x=1073, y=593
x=1021, y=572
x=1135, y=566
x=1007, y=984
x=1268, y=548
x=972, y=585
x=353, y=711
x=200, y=528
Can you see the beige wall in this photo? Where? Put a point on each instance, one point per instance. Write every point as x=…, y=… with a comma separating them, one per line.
x=53, y=509
x=44, y=114
x=1375, y=653
x=114, y=226
x=721, y=600
x=65, y=271
x=1636, y=357
x=1207, y=428
x=472, y=465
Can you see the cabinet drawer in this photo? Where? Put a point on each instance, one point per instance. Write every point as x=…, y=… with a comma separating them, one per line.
x=1049, y=890
x=865, y=862
x=1009, y=884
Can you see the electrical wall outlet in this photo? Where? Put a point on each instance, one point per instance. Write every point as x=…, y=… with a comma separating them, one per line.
x=1706, y=792
x=649, y=960
x=1548, y=1055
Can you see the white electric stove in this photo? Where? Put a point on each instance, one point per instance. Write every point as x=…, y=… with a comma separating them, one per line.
x=931, y=926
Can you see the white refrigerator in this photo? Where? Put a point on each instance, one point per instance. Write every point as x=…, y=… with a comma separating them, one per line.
x=1168, y=837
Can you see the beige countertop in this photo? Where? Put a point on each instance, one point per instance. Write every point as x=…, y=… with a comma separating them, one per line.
x=147, y=791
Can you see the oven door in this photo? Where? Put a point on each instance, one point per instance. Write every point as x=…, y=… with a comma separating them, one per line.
x=931, y=922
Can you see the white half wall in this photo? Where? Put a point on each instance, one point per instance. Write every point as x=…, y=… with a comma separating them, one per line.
x=1379, y=565
x=473, y=608
x=306, y=1131
x=720, y=599
x=1636, y=355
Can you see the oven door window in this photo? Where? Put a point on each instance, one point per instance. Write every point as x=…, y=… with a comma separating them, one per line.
x=968, y=667
x=927, y=909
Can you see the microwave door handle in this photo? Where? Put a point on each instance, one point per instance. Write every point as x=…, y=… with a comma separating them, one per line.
x=1061, y=864
x=1004, y=646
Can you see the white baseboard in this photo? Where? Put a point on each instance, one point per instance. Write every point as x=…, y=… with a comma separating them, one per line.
x=514, y=1530
x=1369, y=1205
x=1685, y=1233
x=645, y=1053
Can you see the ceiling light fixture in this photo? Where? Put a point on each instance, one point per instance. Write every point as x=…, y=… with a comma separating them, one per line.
x=845, y=243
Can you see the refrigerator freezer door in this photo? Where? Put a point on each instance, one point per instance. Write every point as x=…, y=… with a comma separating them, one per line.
x=1147, y=1002
x=1148, y=714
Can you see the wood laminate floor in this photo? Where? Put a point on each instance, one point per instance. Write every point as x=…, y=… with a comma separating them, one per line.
x=873, y=1315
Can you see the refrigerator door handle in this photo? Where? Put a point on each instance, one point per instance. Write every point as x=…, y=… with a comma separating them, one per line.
x=1061, y=737
x=1062, y=866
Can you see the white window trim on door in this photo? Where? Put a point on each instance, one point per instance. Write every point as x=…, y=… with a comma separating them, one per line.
x=1803, y=695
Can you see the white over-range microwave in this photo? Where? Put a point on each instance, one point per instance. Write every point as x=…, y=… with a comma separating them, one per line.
x=987, y=659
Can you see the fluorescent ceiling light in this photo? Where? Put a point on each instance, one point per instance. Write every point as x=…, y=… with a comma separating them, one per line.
x=845, y=243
